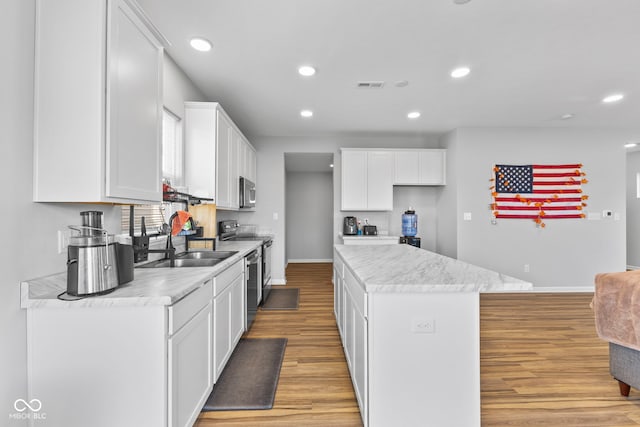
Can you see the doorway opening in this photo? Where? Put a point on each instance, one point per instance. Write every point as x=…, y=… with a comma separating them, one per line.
x=308, y=207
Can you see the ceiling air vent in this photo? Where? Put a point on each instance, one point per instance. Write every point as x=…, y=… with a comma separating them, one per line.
x=370, y=85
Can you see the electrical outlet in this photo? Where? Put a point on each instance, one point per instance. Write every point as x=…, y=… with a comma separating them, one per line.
x=526, y=268
x=63, y=241
x=423, y=326
x=467, y=216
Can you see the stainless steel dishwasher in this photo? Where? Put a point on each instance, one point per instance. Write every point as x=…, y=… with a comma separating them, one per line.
x=253, y=277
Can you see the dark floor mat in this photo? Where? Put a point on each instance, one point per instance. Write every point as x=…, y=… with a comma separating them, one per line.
x=250, y=379
x=282, y=299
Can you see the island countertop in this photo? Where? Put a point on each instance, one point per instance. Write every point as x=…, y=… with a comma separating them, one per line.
x=151, y=286
x=404, y=268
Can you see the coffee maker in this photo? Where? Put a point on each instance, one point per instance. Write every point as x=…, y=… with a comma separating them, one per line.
x=96, y=264
x=350, y=227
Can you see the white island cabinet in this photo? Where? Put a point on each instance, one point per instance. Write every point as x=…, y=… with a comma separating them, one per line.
x=147, y=354
x=98, y=103
x=409, y=323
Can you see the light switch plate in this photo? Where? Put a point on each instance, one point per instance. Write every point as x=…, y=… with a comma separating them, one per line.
x=467, y=216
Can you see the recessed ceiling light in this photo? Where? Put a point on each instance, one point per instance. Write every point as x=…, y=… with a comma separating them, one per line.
x=612, y=98
x=460, y=72
x=200, y=44
x=306, y=70
x=630, y=145
x=306, y=113
x=331, y=165
x=566, y=116
x=461, y=1
x=413, y=115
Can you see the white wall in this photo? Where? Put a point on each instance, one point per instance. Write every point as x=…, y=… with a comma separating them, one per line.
x=447, y=203
x=633, y=211
x=309, y=216
x=271, y=180
x=567, y=253
x=178, y=88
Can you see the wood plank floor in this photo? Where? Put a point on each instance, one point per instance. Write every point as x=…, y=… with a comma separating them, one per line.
x=541, y=363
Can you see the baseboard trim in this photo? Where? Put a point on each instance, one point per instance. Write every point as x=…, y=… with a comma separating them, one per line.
x=633, y=267
x=300, y=261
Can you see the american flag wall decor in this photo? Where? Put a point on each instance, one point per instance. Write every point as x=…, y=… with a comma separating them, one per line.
x=538, y=192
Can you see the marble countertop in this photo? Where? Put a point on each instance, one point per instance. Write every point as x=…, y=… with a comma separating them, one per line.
x=151, y=286
x=404, y=268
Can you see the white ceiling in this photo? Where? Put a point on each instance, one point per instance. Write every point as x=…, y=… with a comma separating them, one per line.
x=532, y=61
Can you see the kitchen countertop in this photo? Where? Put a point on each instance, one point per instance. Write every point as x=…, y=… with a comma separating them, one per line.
x=404, y=268
x=151, y=286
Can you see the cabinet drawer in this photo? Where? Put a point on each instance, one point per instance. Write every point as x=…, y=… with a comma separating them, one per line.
x=356, y=291
x=224, y=279
x=182, y=311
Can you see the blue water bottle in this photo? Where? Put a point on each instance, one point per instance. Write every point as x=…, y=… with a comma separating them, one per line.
x=409, y=223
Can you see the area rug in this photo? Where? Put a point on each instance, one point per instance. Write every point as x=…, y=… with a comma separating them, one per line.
x=282, y=299
x=250, y=379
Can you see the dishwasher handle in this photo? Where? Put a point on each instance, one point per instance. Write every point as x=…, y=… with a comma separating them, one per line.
x=252, y=258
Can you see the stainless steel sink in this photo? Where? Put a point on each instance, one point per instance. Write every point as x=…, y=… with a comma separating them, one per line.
x=206, y=255
x=192, y=259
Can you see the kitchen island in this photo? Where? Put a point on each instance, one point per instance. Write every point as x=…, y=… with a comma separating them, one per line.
x=409, y=320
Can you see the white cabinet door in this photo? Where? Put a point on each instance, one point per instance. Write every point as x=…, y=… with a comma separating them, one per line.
x=200, y=148
x=237, y=312
x=355, y=337
x=223, y=183
x=367, y=180
x=98, y=113
x=380, y=175
x=222, y=331
x=354, y=180
x=432, y=167
x=251, y=165
x=407, y=168
x=359, y=371
x=190, y=361
x=234, y=176
x=134, y=108
x=420, y=167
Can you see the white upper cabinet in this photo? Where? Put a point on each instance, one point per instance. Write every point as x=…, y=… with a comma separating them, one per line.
x=368, y=175
x=247, y=161
x=98, y=103
x=380, y=180
x=367, y=180
x=354, y=180
x=200, y=136
x=420, y=167
x=216, y=154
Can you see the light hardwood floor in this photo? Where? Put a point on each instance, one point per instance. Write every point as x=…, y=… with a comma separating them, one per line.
x=541, y=363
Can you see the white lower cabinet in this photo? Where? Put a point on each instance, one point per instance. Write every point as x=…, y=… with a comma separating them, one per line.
x=338, y=297
x=190, y=360
x=228, y=315
x=355, y=339
x=134, y=365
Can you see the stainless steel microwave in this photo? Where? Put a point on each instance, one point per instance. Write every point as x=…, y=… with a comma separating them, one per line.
x=247, y=193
